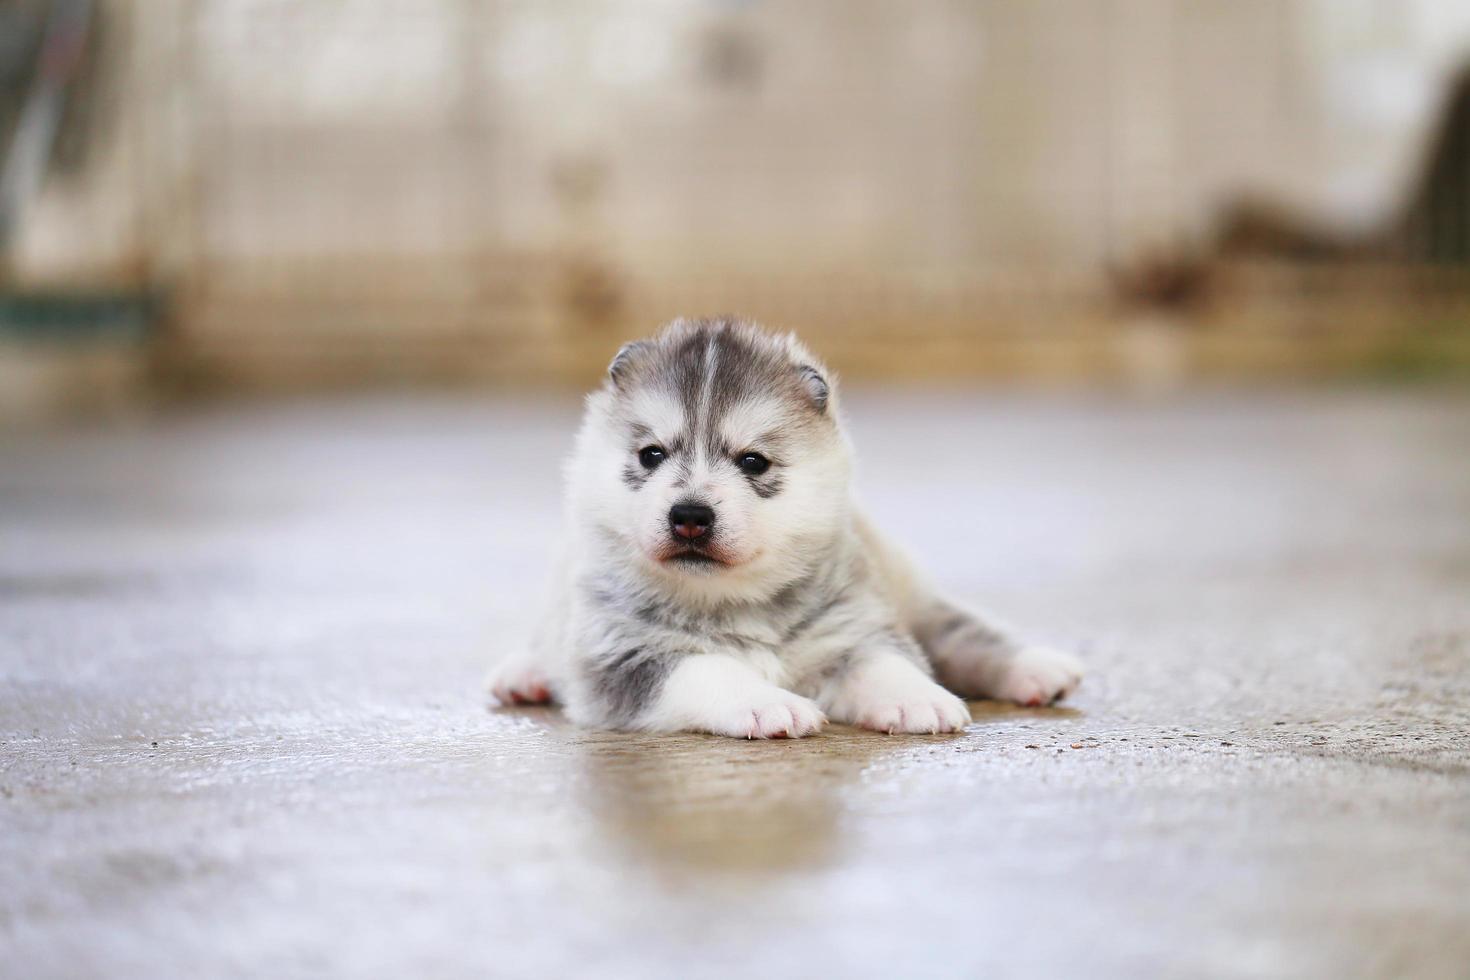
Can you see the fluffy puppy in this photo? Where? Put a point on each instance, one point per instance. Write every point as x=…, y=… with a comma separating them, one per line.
x=717, y=576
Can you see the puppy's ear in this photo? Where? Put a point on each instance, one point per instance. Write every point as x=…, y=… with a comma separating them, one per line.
x=622, y=362
x=815, y=386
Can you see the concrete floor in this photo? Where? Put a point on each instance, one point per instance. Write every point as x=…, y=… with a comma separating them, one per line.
x=243, y=734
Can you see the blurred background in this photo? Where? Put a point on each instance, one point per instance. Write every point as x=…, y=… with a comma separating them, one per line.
x=264, y=195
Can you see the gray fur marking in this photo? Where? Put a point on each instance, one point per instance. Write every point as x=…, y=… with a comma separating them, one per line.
x=714, y=367
x=627, y=683
x=767, y=485
x=634, y=475
x=943, y=627
x=811, y=617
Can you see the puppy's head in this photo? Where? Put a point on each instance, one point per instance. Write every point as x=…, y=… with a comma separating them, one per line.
x=712, y=458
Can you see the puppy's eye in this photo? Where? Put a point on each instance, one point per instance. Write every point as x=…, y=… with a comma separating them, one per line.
x=753, y=464
x=650, y=457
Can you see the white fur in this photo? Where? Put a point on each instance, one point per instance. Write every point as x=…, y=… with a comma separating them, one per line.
x=722, y=695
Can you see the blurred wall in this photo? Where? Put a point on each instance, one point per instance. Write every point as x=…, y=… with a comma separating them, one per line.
x=395, y=189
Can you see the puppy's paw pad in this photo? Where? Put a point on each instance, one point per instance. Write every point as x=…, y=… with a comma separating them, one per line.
x=1039, y=676
x=517, y=682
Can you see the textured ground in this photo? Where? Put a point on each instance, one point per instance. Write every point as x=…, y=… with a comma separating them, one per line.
x=240, y=655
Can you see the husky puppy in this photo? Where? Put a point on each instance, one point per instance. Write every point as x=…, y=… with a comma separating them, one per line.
x=719, y=578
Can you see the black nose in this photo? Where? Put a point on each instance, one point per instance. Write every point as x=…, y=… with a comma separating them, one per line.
x=691, y=520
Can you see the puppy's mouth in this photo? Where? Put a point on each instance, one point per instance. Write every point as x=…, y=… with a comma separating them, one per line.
x=692, y=559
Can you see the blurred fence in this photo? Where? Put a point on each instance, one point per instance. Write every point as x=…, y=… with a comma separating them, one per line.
x=346, y=190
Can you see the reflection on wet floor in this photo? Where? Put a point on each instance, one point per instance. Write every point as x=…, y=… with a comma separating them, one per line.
x=705, y=804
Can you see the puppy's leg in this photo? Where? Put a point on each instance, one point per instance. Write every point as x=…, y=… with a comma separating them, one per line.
x=532, y=676
x=527, y=678
x=888, y=691
x=977, y=659
x=703, y=692
x=972, y=657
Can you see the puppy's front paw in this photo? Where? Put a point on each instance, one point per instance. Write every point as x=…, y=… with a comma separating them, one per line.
x=939, y=712
x=774, y=714
x=717, y=694
x=1038, y=676
x=520, y=682
x=890, y=694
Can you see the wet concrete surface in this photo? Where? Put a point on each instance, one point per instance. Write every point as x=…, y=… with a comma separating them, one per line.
x=243, y=732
